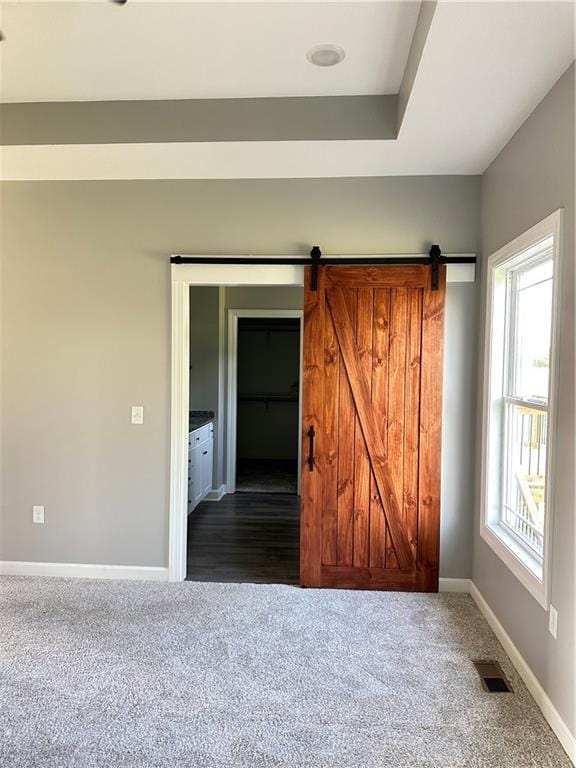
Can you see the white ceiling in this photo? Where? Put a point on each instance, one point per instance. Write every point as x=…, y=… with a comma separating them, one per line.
x=102, y=51
x=485, y=67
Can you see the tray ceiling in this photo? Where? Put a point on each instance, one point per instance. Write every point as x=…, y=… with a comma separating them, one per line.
x=60, y=51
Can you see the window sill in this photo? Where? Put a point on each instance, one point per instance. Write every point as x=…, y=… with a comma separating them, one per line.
x=527, y=569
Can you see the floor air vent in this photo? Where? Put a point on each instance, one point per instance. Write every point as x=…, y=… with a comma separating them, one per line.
x=492, y=677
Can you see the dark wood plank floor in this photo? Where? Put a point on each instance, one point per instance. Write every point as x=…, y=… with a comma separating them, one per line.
x=245, y=537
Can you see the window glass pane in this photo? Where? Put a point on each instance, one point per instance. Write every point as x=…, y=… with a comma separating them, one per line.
x=540, y=271
x=523, y=513
x=532, y=329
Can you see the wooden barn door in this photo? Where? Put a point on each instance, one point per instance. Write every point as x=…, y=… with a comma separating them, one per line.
x=372, y=405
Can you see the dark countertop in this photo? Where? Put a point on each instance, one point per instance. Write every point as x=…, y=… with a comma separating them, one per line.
x=198, y=419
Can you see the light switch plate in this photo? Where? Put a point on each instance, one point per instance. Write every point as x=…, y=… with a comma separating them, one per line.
x=553, y=622
x=38, y=514
x=137, y=414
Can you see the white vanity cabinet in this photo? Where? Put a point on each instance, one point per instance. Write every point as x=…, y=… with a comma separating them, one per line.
x=200, y=453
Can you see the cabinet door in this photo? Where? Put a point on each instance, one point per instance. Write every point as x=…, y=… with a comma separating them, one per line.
x=191, y=457
x=206, y=458
x=196, y=489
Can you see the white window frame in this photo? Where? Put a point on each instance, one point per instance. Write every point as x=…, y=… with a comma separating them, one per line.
x=533, y=572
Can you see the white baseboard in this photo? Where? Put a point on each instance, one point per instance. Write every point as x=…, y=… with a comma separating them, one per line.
x=455, y=585
x=216, y=494
x=83, y=570
x=548, y=709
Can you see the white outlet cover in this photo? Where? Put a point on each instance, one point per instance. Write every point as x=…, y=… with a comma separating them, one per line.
x=38, y=514
x=553, y=622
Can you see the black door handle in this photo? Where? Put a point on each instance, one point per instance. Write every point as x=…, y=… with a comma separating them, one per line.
x=311, y=435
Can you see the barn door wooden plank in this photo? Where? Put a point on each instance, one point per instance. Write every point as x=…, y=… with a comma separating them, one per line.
x=412, y=415
x=361, y=396
x=312, y=407
x=365, y=313
x=395, y=411
x=362, y=276
x=381, y=323
x=331, y=446
x=431, y=433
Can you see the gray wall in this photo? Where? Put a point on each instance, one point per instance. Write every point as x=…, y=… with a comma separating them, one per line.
x=253, y=297
x=458, y=436
x=531, y=178
x=86, y=333
x=204, y=362
x=309, y=118
x=204, y=332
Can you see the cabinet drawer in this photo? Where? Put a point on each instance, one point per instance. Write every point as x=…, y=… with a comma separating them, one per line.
x=200, y=435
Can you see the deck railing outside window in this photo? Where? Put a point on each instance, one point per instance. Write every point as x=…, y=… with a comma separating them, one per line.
x=524, y=503
x=526, y=383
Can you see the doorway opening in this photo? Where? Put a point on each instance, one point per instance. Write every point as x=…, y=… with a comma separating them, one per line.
x=245, y=414
x=267, y=405
x=264, y=394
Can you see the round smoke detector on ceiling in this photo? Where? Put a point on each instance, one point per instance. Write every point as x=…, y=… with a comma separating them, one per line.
x=326, y=55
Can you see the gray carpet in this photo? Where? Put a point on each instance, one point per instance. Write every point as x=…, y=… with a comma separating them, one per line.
x=199, y=675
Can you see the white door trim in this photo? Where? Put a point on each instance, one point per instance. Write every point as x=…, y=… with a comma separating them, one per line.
x=232, y=419
x=179, y=421
x=183, y=276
